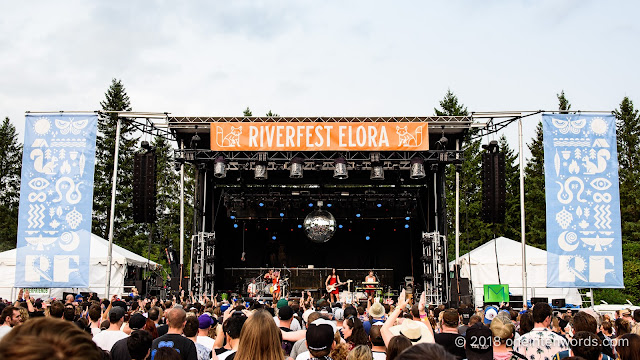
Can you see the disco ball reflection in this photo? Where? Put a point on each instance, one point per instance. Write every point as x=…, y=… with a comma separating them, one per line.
x=319, y=226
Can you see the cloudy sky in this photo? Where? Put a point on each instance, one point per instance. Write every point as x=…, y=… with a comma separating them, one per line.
x=318, y=58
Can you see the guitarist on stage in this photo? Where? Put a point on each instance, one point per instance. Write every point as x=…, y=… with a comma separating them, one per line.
x=332, y=283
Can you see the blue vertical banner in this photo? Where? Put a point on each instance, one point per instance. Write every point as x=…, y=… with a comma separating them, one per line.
x=56, y=199
x=584, y=240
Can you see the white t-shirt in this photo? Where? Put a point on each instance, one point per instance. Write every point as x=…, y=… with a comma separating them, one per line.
x=206, y=341
x=379, y=355
x=106, y=339
x=224, y=355
x=95, y=331
x=4, y=330
x=304, y=356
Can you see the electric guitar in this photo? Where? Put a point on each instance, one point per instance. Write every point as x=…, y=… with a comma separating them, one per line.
x=332, y=287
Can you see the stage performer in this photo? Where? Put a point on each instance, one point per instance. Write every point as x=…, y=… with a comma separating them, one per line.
x=370, y=278
x=275, y=278
x=268, y=276
x=252, y=289
x=334, y=280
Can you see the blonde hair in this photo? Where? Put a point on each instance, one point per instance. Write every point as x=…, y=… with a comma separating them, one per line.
x=58, y=339
x=339, y=352
x=260, y=338
x=360, y=352
x=501, y=329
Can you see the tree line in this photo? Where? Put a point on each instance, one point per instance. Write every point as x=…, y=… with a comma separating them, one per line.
x=473, y=231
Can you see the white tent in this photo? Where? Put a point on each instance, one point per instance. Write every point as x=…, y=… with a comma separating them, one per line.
x=480, y=266
x=121, y=258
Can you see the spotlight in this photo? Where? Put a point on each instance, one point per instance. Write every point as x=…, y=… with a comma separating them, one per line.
x=260, y=172
x=367, y=237
x=407, y=218
x=261, y=204
x=377, y=172
x=299, y=226
x=273, y=237
x=417, y=168
x=310, y=204
x=357, y=215
x=406, y=226
x=340, y=226
x=379, y=205
x=340, y=169
x=329, y=205
x=281, y=214
x=295, y=171
x=235, y=226
x=220, y=167
x=232, y=217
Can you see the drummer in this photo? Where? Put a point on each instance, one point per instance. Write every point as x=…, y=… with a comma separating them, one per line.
x=367, y=279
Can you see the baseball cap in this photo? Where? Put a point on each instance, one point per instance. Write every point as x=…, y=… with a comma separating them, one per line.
x=281, y=303
x=117, y=311
x=320, y=335
x=79, y=297
x=285, y=313
x=479, y=342
x=205, y=321
x=137, y=321
x=489, y=313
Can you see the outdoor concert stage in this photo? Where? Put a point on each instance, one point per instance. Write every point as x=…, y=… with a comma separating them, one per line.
x=252, y=213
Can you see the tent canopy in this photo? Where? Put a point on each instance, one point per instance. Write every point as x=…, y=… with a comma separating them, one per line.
x=99, y=254
x=499, y=261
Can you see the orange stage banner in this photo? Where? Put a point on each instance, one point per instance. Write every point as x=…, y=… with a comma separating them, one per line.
x=319, y=136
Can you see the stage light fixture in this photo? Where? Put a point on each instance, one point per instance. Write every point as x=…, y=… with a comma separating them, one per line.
x=310, y=204
x=367, y=237
x=340, y=168
x=235, y=226
x=281, y=214
x=295, y=170
x=273, y=237
x=299, y=226
x=220, y=167
x=417, y=168
x=379, y=205
x=260, y=171
x=261, y=204
x=232, y=217
x=358, y=215
x=407, y=218
x=329, y=205
x=406, y=226
x=377, y=172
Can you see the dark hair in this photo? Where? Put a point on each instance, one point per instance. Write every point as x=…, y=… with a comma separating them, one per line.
x=69, y=313
x=526, y=322
x=425, y=351
x=541, y=311
x=7, y=312
x=376, y=336
x=358, y=334
x=606, y=326
x=629, y=347
x=474, y=319
x=415, y=312
x=586, y=344
x=622, y=326
x=233, y=326
x=166, y=353
x=396, y=345
x=350, y=311
x=360, y=310
x=139, y=344
x=154, y=313
x=585, y=322
x=94, y=312
x=191, y=327
x=56, y=309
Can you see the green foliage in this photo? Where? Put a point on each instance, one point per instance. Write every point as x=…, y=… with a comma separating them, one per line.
x=126, y=232
x=511, y=226
x=10, y=171
x=563, y=104
x=534, y=196
x=247, y=112
x=271, y=114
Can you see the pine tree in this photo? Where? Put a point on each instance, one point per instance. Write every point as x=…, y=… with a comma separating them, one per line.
x=247, y=112
x=10, y=172
x=126, y=233
x=473, y=231
x=511, y=226
x=167, y=226
x=563, y=104
x=534, y=196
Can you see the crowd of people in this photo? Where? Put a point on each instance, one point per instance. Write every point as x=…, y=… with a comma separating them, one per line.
x=137, y=328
